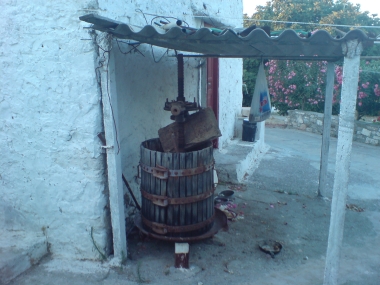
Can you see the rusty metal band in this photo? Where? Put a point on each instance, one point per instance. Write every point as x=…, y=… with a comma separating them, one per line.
x=164, y=229
x=164, y=173
x=165, y=201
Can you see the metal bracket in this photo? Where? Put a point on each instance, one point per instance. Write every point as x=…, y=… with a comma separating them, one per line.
x=162, y=172
x=107, y=146
x=164, y=229
x=165, y=201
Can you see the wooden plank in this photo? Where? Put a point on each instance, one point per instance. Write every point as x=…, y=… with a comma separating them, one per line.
x=199, y=187
x=194, y=190
x=199, y=127
x=205, y=182
x=155, y=209
x=142, y=175
x=147, y=185
x=100, y=21
x=175, y=190
x=189, y=185
x=210, y=185
x=160, y=159
x=167, y=162
x=144, y=184
x=182, y=189
x=171, y=186
x=211, y=198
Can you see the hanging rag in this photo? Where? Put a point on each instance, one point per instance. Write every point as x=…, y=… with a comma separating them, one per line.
x=260, y=106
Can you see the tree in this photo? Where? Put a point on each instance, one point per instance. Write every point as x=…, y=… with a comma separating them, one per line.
x=305, y=89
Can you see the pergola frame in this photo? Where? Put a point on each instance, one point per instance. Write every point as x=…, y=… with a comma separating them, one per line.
x=351, y=47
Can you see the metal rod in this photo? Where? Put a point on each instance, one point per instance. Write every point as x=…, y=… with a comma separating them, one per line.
x=181, y=136
x=301, y=58
x=181, y=96
x=130, y=192
x=314, y=58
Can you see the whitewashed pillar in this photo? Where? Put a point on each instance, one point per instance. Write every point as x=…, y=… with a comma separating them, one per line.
x=352, y=50
x=115, y=183
x=326, y=130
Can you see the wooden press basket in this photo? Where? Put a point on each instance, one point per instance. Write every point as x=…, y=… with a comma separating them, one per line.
x=177, y=190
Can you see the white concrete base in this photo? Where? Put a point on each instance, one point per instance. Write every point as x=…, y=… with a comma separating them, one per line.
x=239, y=160
x=18, y=252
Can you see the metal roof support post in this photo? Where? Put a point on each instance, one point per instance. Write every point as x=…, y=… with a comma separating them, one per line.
x=326, y=130
x=115, y=184
x=352, y=50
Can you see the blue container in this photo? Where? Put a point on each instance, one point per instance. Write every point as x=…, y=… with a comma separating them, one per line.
x=249, y=131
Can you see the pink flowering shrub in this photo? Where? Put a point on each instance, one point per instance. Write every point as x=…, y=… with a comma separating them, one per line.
x=368, y=96
x=301, y=85
x=296, y=85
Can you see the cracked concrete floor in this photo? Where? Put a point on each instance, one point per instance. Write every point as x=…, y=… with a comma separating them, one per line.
x=278, y=202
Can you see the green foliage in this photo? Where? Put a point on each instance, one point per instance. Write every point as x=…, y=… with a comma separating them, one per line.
x=368, y=102
x=301, y=85
x=250, y=69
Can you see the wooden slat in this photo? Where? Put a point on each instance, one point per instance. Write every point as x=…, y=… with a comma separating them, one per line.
x=194, y=190
x=147, y=185
x=206, y=178
x=175, y=190
x=154, y=209
x=144, y=184
x=213, y=182
x=200, y=186
x=189, y=185
x=182, y=189
x=142, y=174
x=210, y=202
x=171, y=186
x=166, y=161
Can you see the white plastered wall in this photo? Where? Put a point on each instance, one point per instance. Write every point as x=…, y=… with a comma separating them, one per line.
x=51, y=166
x=230, y=97
x=52, y=178
x=142, y=85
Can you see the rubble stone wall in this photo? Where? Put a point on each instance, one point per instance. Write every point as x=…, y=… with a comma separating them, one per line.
x=364, y=132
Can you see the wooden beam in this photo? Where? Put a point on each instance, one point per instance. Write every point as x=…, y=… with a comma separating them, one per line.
x=352, y=50
x=100, y=21
x=326, y=130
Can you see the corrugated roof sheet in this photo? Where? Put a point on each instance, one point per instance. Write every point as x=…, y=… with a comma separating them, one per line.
x=288, y=45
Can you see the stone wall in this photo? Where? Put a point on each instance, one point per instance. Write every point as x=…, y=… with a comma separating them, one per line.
x=52, y=165
x=365, y=132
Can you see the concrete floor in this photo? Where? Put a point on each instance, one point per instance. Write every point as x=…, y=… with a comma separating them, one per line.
x=279, y=200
